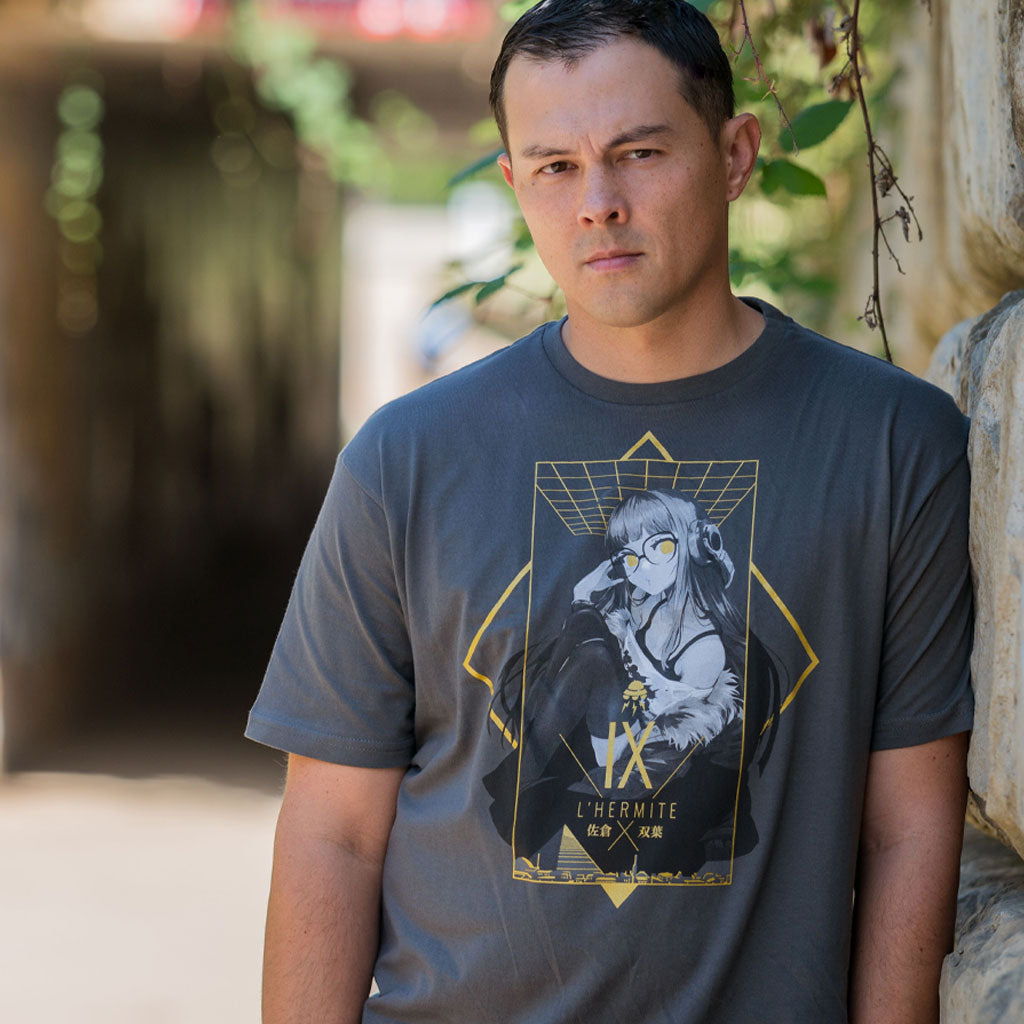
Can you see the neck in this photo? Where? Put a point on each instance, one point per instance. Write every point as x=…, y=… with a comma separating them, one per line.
x=676, y=345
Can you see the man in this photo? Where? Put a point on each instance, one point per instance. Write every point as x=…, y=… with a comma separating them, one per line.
x=619, y=660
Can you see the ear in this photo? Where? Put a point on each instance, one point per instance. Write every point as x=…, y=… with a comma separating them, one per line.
x=740, y=139
x=506, y=169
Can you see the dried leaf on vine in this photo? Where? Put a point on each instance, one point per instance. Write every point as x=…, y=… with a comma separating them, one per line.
x=904, y=217
x=885, y=180
x=821, y=37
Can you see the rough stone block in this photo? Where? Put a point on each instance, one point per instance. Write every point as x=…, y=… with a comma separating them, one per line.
x=984, y=162
x=981, y=363
x=961, y=156
x=983, y=978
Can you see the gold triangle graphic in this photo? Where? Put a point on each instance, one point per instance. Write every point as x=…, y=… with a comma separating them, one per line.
x=812, y=659
x=618, y=892
x=650, y=439
x=572, y=857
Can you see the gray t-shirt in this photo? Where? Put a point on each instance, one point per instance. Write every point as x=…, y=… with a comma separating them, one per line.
x=635, y=644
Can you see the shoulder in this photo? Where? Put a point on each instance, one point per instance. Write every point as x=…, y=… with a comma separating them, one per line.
x=448, y=412
x=492, y=379
x=702, y=660
x=869, y=395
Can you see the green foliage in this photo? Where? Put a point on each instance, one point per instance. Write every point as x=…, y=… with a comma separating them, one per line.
x=471, y=170
x=523, y=240
x=314, y=91
x=784, y=174
x=815, y=124
x=514, y=9
x=72, y=198
x=394, y=153
x=403, y=123
x=80, y=107
x=812, y=185
x=484, y=289
x=780, y=274
x=495, y=285
x=78, y=164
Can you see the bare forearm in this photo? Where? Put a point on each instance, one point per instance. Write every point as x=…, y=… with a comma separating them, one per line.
x=322, y=933
x=324, y=914
x=907, y=879
x=903, y=928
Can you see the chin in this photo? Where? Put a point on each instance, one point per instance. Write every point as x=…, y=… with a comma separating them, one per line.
x=624, y=308
x=620, y=316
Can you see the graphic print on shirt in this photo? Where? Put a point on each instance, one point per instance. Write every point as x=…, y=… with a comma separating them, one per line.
x=631, y=722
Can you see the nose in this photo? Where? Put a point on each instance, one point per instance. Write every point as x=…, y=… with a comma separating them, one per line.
x=601, y=200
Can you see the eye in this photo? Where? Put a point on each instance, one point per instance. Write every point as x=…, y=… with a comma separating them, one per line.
x=639, y=154
x=558, y=167
x=631, y=561
x=667, y=547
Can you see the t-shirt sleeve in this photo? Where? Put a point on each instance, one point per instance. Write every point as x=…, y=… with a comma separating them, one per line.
x=924, y=683
x=339, y=686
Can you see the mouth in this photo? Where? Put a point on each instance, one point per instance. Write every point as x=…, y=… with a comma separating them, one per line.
x=612, y=259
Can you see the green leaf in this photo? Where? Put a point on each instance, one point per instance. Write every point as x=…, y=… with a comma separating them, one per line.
x=815, y=124
x=489, y=289
x=740, y=267
x=799, y=181
x=746, y=93
x=476, y=167
x=495, y=284
x=486, y=287
x=455, y=292
x=819, y=285
x=524, y=240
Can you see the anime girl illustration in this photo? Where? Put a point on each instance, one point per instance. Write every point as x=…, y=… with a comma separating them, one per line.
x=662, y=596
x=636, y=708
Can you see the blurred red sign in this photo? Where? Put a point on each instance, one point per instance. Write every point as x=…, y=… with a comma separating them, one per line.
x=375, y=19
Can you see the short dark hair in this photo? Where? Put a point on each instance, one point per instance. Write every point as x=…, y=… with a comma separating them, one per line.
x=569, y=30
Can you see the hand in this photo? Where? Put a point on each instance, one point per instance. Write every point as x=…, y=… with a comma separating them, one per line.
x=601, y=578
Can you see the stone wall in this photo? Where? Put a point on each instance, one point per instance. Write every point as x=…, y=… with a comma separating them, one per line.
x=981, y=363
x=961, y=157
x=965, y=155
x=981, y=979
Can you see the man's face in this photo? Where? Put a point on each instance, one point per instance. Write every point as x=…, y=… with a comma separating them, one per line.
x=621, y=184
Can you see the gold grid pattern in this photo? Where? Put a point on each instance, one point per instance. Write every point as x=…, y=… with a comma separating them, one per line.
x=584, y=494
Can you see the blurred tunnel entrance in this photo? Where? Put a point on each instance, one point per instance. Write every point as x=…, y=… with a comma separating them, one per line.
x=167, y=441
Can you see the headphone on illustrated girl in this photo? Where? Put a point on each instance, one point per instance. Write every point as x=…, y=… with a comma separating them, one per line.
x=704, y=542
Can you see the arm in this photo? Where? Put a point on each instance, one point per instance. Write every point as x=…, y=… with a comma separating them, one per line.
x=595, y=582
x=907, y=878
x=324, y=913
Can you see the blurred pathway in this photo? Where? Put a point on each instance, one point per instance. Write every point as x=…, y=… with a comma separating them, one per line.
x=132, y=900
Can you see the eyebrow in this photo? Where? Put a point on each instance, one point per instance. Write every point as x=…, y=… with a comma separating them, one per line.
x=640, y=133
